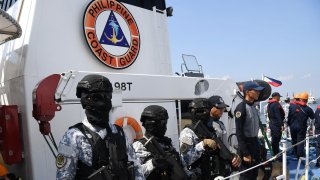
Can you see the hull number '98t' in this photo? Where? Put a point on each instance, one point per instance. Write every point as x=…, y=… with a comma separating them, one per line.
x=123, y=86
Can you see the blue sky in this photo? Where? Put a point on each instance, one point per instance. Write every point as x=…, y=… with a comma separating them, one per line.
x=247, y=38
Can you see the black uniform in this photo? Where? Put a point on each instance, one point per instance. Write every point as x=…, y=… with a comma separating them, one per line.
x=276, y=116
x=247, y=127
x=298, y=120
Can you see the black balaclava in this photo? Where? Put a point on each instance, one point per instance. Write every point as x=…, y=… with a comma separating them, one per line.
x=95, y=92
x=200, y=110
x=154, y=119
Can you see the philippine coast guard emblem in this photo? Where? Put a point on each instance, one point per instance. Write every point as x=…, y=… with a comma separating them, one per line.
x=111, y=33
x=238, y=114
x=60, y=161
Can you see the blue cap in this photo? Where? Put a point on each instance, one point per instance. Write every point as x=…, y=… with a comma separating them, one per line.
x=252, y=85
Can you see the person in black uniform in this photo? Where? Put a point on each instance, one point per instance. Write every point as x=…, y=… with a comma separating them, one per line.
x=157, y=166
x=247, y=128
x=317, y=132
x=298, y=116
x=276, y=116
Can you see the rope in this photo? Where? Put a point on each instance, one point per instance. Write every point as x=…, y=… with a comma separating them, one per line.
x=271, y=159
x=55, y=156
x=236, y=174
x=53, y=141
x=307, y=165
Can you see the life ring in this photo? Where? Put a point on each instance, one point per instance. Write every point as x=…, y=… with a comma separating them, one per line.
x=3, y=169
x=126, y=120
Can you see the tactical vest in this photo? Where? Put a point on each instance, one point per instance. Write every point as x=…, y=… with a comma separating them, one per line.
x=251, y=124
x=109, y=152
x=169, y=150
x=210, y=163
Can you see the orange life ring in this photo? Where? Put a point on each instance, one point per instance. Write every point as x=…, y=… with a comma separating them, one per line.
x=131, y=122
x=3, y=170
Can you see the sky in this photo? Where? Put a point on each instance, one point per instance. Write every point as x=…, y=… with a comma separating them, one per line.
x=245, y=39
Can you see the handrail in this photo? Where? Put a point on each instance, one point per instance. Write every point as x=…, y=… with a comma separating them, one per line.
x=271, y=159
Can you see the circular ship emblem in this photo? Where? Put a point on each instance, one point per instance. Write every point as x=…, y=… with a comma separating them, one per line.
x=111, y=33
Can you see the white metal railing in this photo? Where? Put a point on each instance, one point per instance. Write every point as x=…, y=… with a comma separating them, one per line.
x=284, y=160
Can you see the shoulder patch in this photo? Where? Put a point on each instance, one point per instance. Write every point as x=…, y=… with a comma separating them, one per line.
x=238, y=114
x=184, y=148
x=60, y=161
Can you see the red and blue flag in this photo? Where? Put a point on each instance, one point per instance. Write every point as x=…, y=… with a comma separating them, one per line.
x=271, y=81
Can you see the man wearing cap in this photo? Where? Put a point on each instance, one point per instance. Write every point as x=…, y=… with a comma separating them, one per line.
x=298, y=116
x=217, y=108
x=276, y=116
x=201, y=153
x=247, y=127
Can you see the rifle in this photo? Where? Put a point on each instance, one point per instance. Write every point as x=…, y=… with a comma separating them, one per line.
x=106, y=170
x=224, y=152
x=154, y=147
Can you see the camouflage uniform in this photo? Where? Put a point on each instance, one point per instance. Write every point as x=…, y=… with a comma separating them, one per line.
x=143, y=154
x=146, y=156
x=74, y=146
x=191, y=146
x=202, y=163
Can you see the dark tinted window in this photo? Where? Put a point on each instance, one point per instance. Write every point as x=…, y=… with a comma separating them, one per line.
x=185, y=114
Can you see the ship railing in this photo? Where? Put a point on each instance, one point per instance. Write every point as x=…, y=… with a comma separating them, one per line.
x=283, y=153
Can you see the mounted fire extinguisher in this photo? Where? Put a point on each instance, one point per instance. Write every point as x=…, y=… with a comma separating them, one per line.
x=10, y=139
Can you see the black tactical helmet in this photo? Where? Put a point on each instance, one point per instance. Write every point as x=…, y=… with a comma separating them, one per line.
x=200, y=110
x=154, y=119
x=93, y=83
x=199, y=103
x=154, y=112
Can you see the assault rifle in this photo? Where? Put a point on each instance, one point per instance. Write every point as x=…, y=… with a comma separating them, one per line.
x=203, y=131
x=154, y=147
x=108, y=175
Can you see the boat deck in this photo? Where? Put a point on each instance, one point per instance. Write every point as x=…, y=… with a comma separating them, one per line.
x=314, y=172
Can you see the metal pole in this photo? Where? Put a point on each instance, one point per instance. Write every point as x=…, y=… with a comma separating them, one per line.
x=307, y=158
x=284, y=158
x=180, y=118
x=284, y=161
